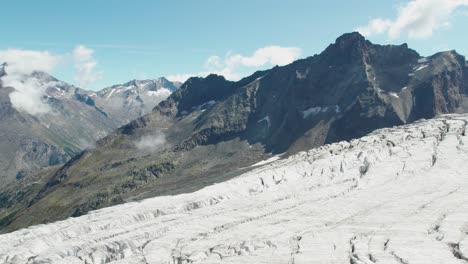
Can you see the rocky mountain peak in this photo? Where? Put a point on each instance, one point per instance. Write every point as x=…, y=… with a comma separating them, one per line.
x=166, y=83
x=2, y=69
x=349, y=40
x=348, y=47
x=197, y=91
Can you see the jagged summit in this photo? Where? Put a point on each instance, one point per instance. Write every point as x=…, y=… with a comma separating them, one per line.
x=194, y=92
x=350, y=39
x=135, y=98
x=2, y=71
x=163, y=82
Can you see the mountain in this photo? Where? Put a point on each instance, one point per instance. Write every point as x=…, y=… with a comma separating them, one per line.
x=75, y=119
x=211, y=130
x=135, y=98
x=394, y=196
x=2, y=69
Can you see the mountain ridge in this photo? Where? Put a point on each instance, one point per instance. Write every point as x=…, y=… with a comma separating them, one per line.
x=76, y=119
x=212, y=129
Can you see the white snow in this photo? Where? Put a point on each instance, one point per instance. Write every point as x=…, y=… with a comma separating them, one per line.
x=311, y=111
x=422, y=60
x=397, y=196
x=270, y=160
x=394, y=95
x=302, y=76
x=110, y=94
x=204, y=105
x=267, y=119
x=317, y=109
x=421, y=67
x=404, y=88
x=337, y=109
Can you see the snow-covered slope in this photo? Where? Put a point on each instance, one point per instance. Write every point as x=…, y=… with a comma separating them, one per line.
x=398, y=195
x=135, y=98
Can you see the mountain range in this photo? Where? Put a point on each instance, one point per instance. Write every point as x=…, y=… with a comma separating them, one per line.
x=211, y=130
x=75, y=119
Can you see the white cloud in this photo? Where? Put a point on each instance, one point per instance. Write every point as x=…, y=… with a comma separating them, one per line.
x=232, y=66
x=151, y=143
x=274, y=55
x=416, y=19
x=85, y=65
x=375, y=26
x=29, y=90
x=27, y=61
x=28, y=94
x=180, y=77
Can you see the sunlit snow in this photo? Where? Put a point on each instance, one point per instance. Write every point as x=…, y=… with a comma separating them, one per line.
x=398, y=196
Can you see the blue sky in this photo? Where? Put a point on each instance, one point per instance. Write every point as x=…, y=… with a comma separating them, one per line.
x=124, y=40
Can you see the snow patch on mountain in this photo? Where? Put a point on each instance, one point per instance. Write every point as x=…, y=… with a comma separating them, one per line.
x=420, y=67
x=204, y=105
x=110, y=94
x=422, y=60
x=317, y=109
x=311, y=111
x=267, y=119
x=270, y=160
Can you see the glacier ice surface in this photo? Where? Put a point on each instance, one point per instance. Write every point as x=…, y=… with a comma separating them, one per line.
x=398, y=195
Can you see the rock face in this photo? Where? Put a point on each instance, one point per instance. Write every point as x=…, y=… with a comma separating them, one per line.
x=211, y=129
x=350, y=89
x=76, y=120
x=394, y=196
x=134, y=99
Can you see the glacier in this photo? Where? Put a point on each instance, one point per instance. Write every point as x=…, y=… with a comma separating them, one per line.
x=398, y=195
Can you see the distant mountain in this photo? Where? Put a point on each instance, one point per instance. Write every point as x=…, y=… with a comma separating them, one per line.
x=211, y=129
x=77, y=118
x=136, y=98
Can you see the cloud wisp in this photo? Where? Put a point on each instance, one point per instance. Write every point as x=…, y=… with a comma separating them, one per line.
x=233, y=65
x=416, y=19
x=151, y=143
x=85, y=65
x=29, y=90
